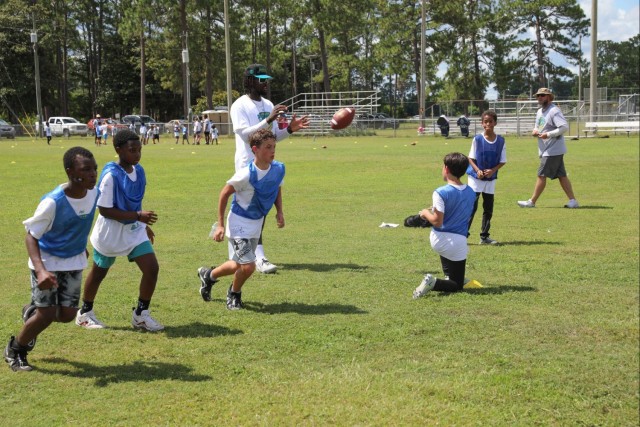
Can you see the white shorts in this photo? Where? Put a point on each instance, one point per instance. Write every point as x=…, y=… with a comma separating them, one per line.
x=243, y=251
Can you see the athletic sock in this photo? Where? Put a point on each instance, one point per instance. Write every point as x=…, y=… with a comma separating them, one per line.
x=142, y=305
x=86, y=306
x=260, y=252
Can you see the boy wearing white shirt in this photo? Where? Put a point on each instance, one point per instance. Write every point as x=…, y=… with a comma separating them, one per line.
x=122, y=228
x=256, y=188
x=56, y=241
x=449, y=215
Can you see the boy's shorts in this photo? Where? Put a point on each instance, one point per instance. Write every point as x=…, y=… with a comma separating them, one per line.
x=243, y=251
x=107, y=261
x=552, y=167
x=67, y=294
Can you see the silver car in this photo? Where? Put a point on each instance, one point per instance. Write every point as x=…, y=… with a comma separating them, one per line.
x=6, y=130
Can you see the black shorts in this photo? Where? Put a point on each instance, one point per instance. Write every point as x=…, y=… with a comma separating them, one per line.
x=552, y=167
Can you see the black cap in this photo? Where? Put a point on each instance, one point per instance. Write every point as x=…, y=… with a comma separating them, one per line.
x=258, y=71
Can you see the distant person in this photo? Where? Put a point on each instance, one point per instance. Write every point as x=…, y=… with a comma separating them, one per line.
x=550, y=129
x=487, y=155
x=143, y=134
x=449, y=216
x=104, y=128
x=207, y=129
x=47, y=132
x=256, y=188
x=214, y=134
x=56, y=242
x=96, y=130
x=176, y=130
x=197, y=131
x=156, y=134
x=185, y=134
x=249, y=113
x=122, y=229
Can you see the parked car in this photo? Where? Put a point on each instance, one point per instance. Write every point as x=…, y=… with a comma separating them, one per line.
x=379, y=121
x=111, y=123
x=168, y=127
x=137, y=120
x=6, y=130
x=64, y=126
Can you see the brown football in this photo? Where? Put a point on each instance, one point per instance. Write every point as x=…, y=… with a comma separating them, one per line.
x=342, y=118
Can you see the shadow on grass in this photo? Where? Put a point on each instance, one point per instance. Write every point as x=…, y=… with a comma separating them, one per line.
x=524, y=243
x=308, y=309
x=582, y=207
x=134, y=371
x=192, y=330
x=499, y=290
x=324, y=267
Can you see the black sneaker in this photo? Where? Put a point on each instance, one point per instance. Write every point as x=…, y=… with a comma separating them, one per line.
x=206, y=283
x=28, y=311
x=234, y=300
x=17, y=359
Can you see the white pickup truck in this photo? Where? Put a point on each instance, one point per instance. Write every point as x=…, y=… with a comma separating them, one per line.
x=65, y=126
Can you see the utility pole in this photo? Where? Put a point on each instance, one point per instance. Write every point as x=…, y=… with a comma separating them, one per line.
x=423, y=87
x=187, y=85
x=34, y=40
x=227, y=48
x=593, y=90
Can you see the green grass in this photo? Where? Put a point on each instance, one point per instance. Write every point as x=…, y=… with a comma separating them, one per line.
x=334, y=338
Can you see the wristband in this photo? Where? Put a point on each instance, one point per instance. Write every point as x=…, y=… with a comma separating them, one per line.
x=289, y=130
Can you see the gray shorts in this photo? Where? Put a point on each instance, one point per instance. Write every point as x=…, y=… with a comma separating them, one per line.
x=67, y=294
x=243, y=251
x=552, y=167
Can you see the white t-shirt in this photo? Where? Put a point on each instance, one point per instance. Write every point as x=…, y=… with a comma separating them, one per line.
x=41, y=222
x=238, y=226
x=452, y=246
x=479, y=185
x=247, y=117
x=111, y=237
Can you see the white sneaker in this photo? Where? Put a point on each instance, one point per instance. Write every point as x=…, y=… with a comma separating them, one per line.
x=573, y=203
x=264, y=266
x=89, y=320
x=145, y=321
x=426, y=285
x=526, y=204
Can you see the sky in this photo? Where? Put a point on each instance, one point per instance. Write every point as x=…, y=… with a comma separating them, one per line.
x=618, y=21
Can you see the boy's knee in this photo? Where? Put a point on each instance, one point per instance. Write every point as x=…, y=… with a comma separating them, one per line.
x=66, y=314
x=248, y=269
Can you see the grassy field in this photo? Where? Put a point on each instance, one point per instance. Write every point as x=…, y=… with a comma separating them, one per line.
x=334, y=337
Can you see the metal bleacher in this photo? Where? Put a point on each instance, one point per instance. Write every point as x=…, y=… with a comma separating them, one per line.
x=320, y=106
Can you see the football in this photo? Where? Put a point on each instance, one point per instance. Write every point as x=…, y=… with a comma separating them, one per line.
x=342, y=118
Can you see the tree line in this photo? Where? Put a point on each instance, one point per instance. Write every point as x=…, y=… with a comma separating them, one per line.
x=125, y=56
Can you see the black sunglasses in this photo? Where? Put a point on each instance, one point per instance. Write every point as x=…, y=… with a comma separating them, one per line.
x=540, y=96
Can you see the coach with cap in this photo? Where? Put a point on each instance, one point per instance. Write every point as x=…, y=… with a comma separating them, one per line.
x=549, y=129
x=251, y=112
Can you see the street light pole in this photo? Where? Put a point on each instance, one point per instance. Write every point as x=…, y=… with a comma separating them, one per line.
x=423, y=86
x=34, y=40
x=227, y=48
x=185, y=61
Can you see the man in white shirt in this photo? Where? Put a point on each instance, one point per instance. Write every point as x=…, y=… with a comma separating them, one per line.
x=249, y=113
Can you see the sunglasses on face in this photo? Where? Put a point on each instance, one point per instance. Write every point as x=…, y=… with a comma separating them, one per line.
x=262, y=79
x=540, y=96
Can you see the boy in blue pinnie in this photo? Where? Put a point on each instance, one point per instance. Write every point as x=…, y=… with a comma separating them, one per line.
x=256, y=188
x=122, y=228
x=56, y=242
x=487, y=155
x=449, y=215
